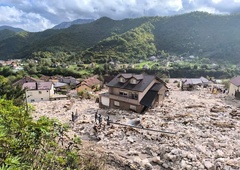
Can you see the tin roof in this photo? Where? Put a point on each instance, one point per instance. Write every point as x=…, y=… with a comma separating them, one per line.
x=38, y=85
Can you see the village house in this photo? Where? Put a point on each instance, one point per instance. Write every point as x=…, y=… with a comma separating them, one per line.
x=193, y=83
x=69, y=80
x=38, y=91
x=41, y=91
x=133, y=92
x=234, y=87
x=91, y=84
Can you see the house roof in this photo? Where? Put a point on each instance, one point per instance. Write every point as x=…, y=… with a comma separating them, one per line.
x=204, y=80
x=235, y=81
x=25, y=80
x=107, y=79
x=195, y=81
x=144, y=81
x=38, y=85
x=59, y=84
x=92, y=81
x=148, y=98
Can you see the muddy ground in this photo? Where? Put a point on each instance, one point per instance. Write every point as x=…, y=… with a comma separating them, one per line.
x=205, y=127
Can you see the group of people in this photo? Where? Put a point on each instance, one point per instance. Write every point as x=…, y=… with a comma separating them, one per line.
x=98, y=119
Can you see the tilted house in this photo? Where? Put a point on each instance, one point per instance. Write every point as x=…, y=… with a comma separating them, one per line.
x=133, y=92
x=234, y=86
x=38, y=91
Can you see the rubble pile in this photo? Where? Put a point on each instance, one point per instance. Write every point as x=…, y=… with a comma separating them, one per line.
x=206, y=127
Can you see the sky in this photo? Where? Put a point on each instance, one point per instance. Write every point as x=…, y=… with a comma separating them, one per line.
x=39, y=15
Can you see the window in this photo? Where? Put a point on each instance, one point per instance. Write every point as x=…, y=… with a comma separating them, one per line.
x=134, y=96
x=122, y=93
x=132, y=107
x=122, y=80
x=32, y=100
x=116, y=103
x=133, y=81
x=40, y=92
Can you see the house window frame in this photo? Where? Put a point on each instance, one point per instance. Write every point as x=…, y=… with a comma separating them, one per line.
x=122, y=79
x=133, y=81
x=134, y=95
x=123, y=93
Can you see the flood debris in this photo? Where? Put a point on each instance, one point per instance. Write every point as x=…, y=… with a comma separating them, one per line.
x=207, y=126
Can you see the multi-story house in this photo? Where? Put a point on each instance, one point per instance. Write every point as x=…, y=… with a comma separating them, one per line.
x=133, y=92
x=38, y=91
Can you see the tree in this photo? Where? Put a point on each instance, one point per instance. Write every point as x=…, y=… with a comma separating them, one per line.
x=41, y=144
x=11, y=92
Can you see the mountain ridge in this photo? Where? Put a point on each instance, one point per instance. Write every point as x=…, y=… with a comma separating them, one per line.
x=196, y=33
x=64, y=25
x=5, y=27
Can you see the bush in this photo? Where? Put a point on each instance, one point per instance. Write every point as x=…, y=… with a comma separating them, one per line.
x=41, y=144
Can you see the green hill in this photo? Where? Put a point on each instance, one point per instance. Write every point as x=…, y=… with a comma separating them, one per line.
x=134, y=44
x=5, y=34
x=197, y=33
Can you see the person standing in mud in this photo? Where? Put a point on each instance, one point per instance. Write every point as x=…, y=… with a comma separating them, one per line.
x=100, y=118
x=108, y=120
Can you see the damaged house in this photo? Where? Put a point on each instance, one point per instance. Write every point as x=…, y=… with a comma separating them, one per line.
x=133, y=92
x=194, y=83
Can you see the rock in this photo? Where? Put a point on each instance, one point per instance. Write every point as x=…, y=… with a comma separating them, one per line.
x=191, y=156
x=219, y=153
x=208, y=165
x=184, y=165
x=133, y=153
x=146, y=164
x=235, y=113
x=217, y=109
x=157, y=160
x=130, y=139
x=170, y=157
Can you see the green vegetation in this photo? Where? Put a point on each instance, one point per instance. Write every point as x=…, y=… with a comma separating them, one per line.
x=135, y=44
x=41, y=144
x=200, y=34
x=87, y=49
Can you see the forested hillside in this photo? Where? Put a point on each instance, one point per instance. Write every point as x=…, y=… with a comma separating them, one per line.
x=197, y=33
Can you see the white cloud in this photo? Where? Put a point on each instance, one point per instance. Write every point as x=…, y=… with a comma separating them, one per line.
x=216, y=1
x=28, y=21
x=36, y=15
x=10, y=14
